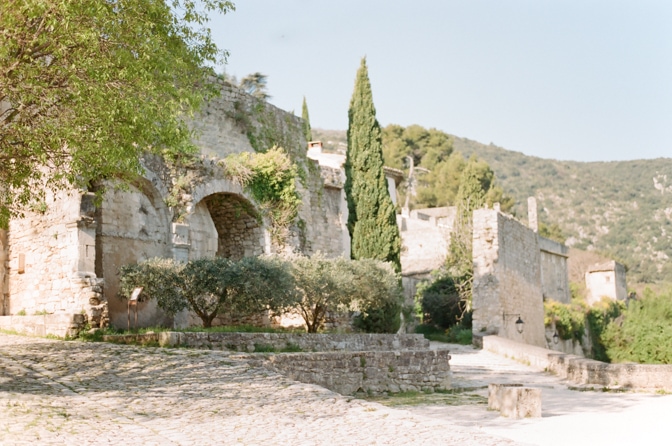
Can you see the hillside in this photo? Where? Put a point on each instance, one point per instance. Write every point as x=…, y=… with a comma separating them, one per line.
x=622, y=209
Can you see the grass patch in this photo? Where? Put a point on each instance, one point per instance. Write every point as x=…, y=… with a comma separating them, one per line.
x=449, y=397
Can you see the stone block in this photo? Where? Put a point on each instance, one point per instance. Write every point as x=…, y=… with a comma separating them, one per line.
x=514, y=400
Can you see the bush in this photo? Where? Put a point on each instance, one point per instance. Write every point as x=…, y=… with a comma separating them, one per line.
x=209, y=286
x=643, y=332
x=569, y=319
x=378, y=296
x=324, y=285
x=598, y=318
x=441, y=303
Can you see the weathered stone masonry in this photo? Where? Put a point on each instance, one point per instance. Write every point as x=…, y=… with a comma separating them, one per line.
x=65, y=258
x=514, y=269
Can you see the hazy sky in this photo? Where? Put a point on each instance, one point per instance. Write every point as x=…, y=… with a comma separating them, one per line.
x=566, y=79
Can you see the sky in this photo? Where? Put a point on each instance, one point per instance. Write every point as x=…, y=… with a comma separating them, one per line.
x=575, y=80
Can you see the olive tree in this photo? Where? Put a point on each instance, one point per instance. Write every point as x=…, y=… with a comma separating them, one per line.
x=210, y=286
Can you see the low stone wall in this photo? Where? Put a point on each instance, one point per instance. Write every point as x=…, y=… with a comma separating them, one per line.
x=248, y=342
x=61, y=325
x=582, y=371
x=372, y=372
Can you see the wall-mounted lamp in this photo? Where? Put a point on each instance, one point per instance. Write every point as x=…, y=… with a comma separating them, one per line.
x=519, y=322
x=556, y=338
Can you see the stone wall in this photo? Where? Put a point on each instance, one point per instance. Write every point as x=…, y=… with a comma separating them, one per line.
x=246, y=342
x=585, y=372
x=62, y=325
x=55, y=259
x=372, y=372
x=554, y=271
x=51, y=257
x=507, y=278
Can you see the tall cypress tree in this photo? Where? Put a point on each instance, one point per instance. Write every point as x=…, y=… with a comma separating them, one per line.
x=307, y=132
x=372, y=221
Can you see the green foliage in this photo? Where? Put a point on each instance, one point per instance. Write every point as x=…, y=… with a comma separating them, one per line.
x=371, y=220
x=159, y=279
x=598, y=318
x=569, y=319
x=208, y=286
x=271, y=179
x=441, y=303
x=307, y=132
x=551, y=231
x=88, y=86
x=643, y=333
x=378, y=296
x=324, y=285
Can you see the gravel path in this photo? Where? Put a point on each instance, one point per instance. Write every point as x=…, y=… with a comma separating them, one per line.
x=66, y=393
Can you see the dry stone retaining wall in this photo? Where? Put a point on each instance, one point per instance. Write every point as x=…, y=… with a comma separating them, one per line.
x=372, y=372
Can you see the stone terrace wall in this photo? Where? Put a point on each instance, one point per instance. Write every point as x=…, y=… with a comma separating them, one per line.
x=373, y=372
x=507, y=278
x=304, y=341
x=587, y=372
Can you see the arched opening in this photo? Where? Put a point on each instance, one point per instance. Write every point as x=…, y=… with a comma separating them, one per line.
x=238, y=231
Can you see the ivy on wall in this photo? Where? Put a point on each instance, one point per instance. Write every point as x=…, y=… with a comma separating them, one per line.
x=270, y=179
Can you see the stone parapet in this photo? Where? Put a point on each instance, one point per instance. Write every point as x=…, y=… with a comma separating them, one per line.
x=246, y=342
x=372, y=372
x=586, y=372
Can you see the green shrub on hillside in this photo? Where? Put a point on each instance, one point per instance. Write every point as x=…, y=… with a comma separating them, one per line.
x=644, y=332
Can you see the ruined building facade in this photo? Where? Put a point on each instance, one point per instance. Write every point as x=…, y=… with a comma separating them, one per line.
x=63, y=260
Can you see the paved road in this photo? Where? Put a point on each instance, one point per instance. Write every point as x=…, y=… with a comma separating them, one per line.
x=72, y=393
x=569, y=417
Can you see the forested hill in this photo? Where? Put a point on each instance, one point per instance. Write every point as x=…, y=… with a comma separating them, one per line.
x=621, y=208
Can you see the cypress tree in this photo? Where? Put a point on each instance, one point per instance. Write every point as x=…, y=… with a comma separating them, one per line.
x=372, y=221
x=307, y=132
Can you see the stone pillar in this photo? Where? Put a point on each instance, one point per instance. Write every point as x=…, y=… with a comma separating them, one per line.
x=180, y=238
x=533, y=222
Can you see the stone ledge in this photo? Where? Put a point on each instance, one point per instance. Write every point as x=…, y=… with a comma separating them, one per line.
x=514, y=400
x=246, y=342
x=62, y=324
x=582, y=371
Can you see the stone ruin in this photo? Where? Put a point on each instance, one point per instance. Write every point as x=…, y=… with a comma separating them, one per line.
x=64, y=260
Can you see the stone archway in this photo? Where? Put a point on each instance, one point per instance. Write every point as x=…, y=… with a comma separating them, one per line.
x=225, y=225
x=224, y=222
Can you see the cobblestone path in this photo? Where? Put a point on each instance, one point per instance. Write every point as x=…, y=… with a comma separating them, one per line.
x=73, y=393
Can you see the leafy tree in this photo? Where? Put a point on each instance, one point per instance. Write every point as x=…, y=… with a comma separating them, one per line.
x=210, y=286
x=160, y=279
x=324, y=286
x=307, y=132
x=372, y=219
x=87, y=86
x=378, y=296
x=255, y=84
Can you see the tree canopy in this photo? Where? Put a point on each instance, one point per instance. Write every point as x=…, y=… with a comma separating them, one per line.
x=87, y=86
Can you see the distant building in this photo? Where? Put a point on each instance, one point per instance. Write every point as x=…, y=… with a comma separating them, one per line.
x=606, y=279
